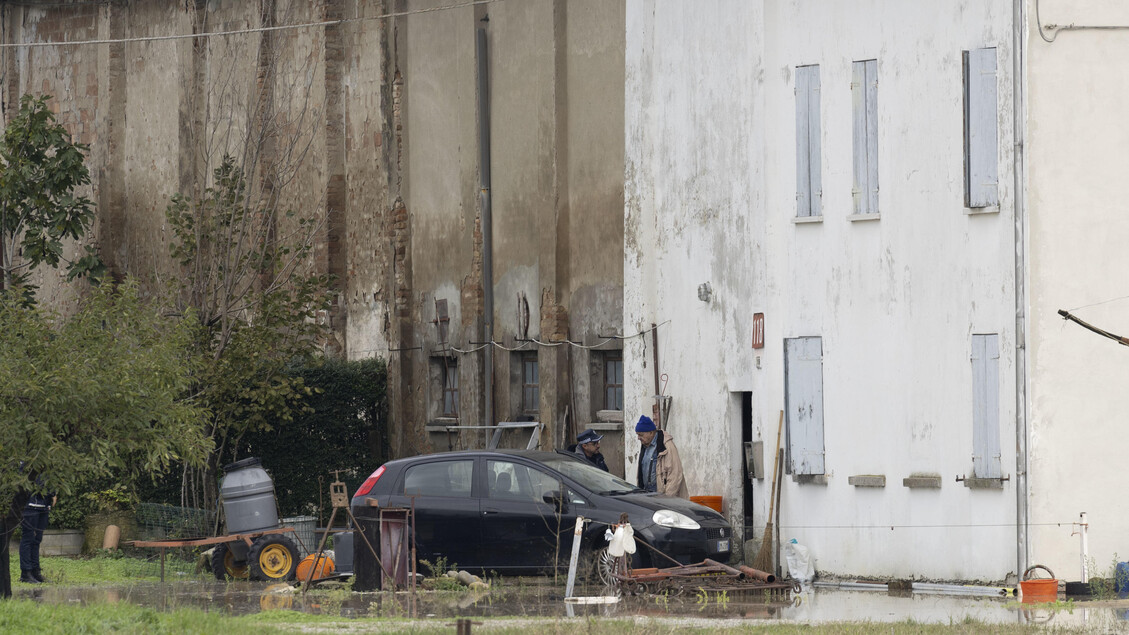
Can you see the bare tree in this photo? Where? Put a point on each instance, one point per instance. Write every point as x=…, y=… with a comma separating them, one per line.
x=247, y=234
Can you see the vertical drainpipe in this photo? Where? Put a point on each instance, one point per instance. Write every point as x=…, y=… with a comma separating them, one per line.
x=487, y=224
x=1019, y=68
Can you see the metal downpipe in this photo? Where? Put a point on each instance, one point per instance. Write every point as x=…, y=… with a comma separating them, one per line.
x=487, y=224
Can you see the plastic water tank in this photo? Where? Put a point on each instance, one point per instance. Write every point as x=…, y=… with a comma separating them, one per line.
x=248, y=497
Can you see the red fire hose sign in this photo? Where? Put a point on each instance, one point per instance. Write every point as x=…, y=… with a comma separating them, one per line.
x=758, y=330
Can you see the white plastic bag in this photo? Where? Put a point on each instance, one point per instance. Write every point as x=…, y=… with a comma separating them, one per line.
x=622, y=541
x=800, y=565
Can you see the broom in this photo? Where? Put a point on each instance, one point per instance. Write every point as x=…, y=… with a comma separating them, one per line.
x=763, y=561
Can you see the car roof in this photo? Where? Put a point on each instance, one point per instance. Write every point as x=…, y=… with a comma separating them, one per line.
x=536, y=455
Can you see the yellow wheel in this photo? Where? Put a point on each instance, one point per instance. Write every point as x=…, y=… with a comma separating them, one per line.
x=273, y=558
x=225, y=566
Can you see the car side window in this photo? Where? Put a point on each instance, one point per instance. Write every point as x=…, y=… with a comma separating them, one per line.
x=574, y=498
x=439, y=478
x=513, y=481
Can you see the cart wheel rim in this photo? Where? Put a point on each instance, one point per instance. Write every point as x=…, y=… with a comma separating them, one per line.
x=234, y=570
x=275, y=561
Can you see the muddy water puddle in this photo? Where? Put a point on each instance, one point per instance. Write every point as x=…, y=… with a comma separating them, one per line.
x=541, y=598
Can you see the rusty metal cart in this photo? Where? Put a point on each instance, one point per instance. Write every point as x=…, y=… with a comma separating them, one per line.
x=268, y=555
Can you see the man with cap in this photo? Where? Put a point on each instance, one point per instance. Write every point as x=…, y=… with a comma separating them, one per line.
x=660, y=468
x=587, y=447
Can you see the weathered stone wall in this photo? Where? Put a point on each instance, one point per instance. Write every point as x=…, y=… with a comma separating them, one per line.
x=370, y=125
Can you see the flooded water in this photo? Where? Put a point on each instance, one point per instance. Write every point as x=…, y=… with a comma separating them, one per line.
x=544, y=598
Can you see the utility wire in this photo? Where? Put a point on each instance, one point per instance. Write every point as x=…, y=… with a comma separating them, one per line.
x=1086, y=306
x=264, y=29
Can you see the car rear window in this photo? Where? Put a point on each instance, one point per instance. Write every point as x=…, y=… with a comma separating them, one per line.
x=439, y=478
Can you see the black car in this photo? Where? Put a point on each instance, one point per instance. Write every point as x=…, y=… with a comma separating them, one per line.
x=514, y=511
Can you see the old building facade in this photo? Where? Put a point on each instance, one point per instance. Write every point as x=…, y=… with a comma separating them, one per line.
x=367, y=116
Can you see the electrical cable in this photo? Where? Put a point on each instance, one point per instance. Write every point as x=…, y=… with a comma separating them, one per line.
x=285, y=27
x=1055, y=29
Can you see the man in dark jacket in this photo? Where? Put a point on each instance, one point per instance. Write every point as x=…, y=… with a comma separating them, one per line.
x=587, y=447
x=32, y=526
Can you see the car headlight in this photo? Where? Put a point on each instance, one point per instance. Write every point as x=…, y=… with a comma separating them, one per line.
x=670, y=518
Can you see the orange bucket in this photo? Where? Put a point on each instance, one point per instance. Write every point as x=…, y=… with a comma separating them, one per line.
x=713, y=502
x=1040, y=589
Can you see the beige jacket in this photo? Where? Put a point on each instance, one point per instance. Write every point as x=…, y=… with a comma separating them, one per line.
x=668, y=468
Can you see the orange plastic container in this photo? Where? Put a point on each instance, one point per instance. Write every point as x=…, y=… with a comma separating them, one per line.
x=1038, y=589
x=713, y=502
x=324, y=569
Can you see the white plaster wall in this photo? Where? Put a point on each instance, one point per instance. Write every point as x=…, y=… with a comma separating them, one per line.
x=1078, y=147
x=710, y=196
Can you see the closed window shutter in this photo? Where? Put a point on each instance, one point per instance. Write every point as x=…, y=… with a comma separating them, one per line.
x=981, y=129
x=803, y=396
x=808, y=177
x=986, y=406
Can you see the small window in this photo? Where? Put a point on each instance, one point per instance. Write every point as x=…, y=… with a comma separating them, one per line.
x=613, y=382
x=864, y=96
x=513, y=481
x=809, y=188
x=445, y=379
x=981, y=163
x=530, y=384
x=441, y=478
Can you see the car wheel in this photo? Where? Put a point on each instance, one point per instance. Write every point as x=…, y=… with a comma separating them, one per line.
x=224, y=565
x=602, y=566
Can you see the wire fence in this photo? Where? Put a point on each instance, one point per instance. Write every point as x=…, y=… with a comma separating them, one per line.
x=156, y=521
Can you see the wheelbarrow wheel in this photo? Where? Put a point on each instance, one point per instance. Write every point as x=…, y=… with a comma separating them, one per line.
x=224, y=565
x=273, y=558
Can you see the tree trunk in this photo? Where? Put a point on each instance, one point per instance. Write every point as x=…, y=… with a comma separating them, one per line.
x=12, y=517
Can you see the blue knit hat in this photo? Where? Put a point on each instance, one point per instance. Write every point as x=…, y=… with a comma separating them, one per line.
x=645, y=424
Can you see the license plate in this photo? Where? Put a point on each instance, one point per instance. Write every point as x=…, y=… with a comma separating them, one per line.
x=723, y=545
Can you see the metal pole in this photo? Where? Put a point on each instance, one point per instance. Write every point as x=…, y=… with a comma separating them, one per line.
x=576, y=533
x=487, y=223
x=1083, y=528
x=1019, y=68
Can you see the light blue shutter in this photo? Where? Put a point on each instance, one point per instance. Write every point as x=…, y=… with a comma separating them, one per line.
x=986, y=406
x=872, y=135
x=981, y=132
x=803, y=400
x=808, y=178
x=803, y=167
x=864, y=98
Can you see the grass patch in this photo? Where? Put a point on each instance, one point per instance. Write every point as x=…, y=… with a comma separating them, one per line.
x=104, y=567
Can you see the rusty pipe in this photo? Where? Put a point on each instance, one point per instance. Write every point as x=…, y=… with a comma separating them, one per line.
x=757, y=574
x=726, y=568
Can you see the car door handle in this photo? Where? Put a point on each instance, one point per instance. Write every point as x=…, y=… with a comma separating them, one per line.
x=488, y=512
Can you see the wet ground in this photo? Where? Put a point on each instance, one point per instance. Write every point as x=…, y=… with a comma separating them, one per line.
x=544, y=598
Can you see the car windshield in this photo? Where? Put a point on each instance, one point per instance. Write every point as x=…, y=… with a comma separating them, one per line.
x=591, y=477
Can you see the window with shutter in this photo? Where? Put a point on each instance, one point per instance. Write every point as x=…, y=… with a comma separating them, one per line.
x=803, y=401
x=808, y=177
x=986, y=406
x=981, y=178
x=864, y=97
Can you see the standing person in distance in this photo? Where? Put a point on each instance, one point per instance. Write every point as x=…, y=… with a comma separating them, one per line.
x=587, y=447
x=660, y=467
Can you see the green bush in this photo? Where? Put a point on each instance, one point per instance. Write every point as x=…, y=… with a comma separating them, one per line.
x=345, y=428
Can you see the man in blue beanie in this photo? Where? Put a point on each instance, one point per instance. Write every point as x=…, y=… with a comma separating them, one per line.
x=660, y=468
